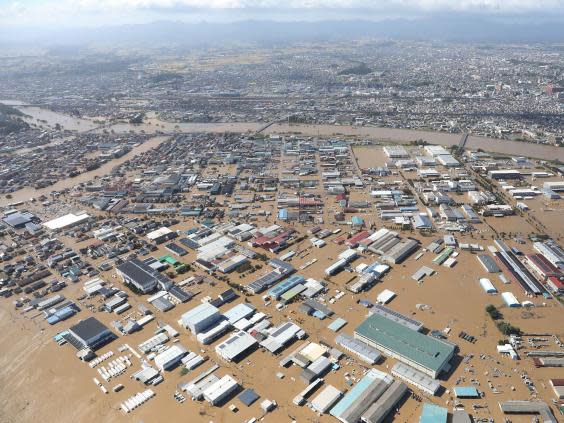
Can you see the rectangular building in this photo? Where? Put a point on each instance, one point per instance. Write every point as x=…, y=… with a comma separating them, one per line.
x=424, y=353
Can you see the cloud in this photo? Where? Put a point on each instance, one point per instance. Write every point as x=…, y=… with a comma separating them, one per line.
x=60, y=12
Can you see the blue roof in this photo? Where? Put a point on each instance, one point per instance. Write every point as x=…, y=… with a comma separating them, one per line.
x=433, y=414
x=248, y=396
x=283, y=214
x=357, y=220
x=337, y=324
x=285, y=285
x=466, y=392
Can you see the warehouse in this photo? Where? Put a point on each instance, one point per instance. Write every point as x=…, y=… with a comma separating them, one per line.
x=221, y=390
x=448, y=161
x=416, y=378
x=542, y=266
x=232, y=263
x=466, y=392
x=316, y=369
x=517, y=269
x=236, y=347
x=67, y=221
x=504, y=174
x=364, y=351
x=395, y=152
x=89, y=333
x=281, y=336
x=400, y=251
x=276, y=292
x=529, y=407
x=397, y=317
x=161, y=235
x=383, y=406
x=488, y=263
x=422, y=352
x=19, y=219
x=238, y=312
x=170, y=358
x=200, y=318
x=356, y=401
x=153, y=342
x=552, y=252
x=214, y=332
x=487, y=286
x=433, y=414
x=281, y=270
x=141, y=276
x=510, y=299
x=326, y=399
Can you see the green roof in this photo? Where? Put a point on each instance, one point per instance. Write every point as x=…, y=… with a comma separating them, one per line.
x=427, y=351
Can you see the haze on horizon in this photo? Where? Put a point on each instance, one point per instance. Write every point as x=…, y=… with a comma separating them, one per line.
x=56, y=14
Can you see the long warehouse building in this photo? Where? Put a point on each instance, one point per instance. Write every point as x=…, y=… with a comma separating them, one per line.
x=424, y=353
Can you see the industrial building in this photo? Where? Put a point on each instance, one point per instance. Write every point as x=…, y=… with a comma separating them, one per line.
x=384, y=405
x=200, y=318
x=504, y=174
x=67, y=221
x=236, y=347
x=221, y=390
x=89, y=333
x=141, y=276
x=416, y=378
x=397, y=317
x=170, y=357
x=362, y=350
x=529, y=407
x=326, y=399
x=424, y=353
x=432, y=413
x=371, y=387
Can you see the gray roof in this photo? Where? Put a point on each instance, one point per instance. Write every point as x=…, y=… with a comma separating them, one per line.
x=88, y=328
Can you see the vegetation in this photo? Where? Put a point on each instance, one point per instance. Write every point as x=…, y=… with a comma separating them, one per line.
x=508, y=329
x=494, y=313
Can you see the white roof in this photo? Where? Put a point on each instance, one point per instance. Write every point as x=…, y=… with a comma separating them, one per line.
x=385, y=296
x=235, y=345
x=168, y=355
x=158, y=233
x=66, y=220
x=510, y=299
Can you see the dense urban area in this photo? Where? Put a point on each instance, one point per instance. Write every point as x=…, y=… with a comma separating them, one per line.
x=311, y=233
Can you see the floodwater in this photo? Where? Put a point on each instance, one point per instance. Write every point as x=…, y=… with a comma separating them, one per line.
x=51, y=118
x=27, y=193
x=153, y=125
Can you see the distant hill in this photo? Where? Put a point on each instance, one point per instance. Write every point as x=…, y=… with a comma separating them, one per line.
x=452, y=27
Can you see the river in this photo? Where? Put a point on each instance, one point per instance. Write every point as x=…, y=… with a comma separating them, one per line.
x=27, y=193
x=154, y=126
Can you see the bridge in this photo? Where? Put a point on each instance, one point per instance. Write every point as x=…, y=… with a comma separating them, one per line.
x=462, y=143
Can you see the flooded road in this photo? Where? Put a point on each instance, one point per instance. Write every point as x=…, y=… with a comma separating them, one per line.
x=50, y=118
x=154, y=125
x=26, y=193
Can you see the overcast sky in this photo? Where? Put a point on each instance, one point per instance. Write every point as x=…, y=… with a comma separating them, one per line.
x=55, y=13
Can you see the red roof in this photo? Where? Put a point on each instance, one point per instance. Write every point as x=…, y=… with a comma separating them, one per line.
x=543, y=265
x=557, y=283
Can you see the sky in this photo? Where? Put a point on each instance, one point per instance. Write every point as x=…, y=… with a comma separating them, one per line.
x=73, y=13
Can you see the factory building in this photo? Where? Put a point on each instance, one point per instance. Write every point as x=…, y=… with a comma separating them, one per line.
x=425, y=353
x=200, y=318
x=170, y=357
x=236, y=347
x=89, y=333
x=141, y=276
